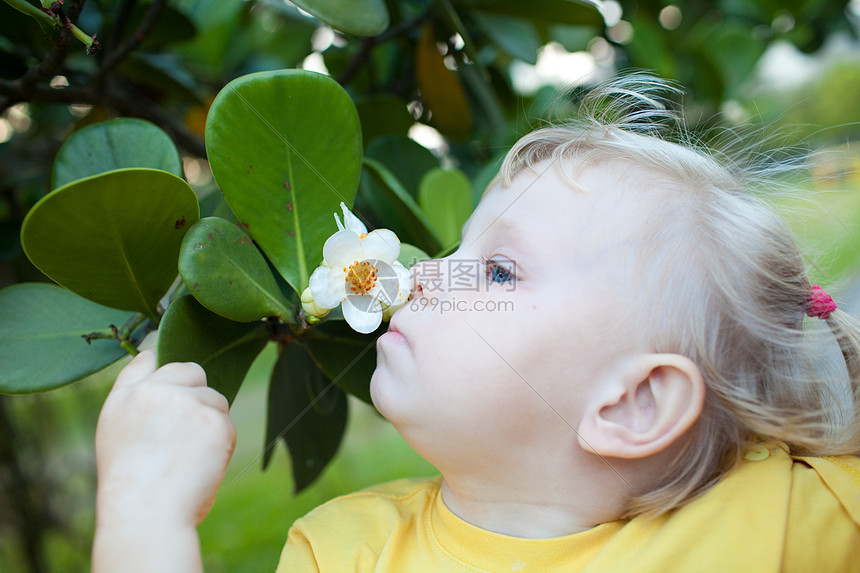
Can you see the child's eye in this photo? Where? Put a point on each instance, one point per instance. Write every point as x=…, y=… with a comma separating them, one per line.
x=497, y=272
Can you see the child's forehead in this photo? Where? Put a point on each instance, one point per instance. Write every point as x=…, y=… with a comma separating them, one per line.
x=603, y=207
x=557, y=193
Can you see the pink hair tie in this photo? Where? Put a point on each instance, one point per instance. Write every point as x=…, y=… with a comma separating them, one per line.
x=820, y=303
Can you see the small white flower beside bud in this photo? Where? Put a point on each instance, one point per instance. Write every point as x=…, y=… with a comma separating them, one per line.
x=360, y=273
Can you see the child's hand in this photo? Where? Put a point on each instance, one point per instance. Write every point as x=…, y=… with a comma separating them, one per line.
x=162, y=445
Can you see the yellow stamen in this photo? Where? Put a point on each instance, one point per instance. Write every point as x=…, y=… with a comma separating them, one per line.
x=361, y=277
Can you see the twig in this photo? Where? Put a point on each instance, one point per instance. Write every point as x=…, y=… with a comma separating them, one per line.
x=123, y=335
x=135, y=39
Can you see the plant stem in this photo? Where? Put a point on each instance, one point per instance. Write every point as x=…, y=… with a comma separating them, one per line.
x=87, y=40
x=123, y=335
x=45, y=17
x=129, y=347
x=132, y=324
x=26, y=8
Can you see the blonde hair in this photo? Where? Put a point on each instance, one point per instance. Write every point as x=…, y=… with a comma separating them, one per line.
x=730, y=294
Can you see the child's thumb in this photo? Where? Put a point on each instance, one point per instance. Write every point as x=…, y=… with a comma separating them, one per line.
x=139, y=368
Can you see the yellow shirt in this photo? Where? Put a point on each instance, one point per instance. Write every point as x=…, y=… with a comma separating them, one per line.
x=773, y=513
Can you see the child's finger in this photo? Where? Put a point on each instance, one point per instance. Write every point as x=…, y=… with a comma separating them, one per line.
x=139, y=368
x=180, y=373
x=214, y=399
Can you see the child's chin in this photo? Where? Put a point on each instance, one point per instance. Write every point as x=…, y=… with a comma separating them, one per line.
x=384, y=392
x=377, y=390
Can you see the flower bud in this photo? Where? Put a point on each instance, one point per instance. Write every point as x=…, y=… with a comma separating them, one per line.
x=310, y=307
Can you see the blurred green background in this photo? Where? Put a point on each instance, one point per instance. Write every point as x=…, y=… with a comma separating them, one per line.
x=788, y=71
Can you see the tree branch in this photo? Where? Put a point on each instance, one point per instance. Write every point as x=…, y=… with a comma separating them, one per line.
x=50, y=65
x=136, y=39
x=116, y=99
x=23, y=88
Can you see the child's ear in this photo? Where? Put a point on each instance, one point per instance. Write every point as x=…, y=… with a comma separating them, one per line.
x=644, y=407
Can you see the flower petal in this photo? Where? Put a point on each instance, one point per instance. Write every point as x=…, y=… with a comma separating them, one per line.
x=405, y=282
x=381, y=244
x=352, y=222
x=342, y=249
x=362, y=313
x=328, y=286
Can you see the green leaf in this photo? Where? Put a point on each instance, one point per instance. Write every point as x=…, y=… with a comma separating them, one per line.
x=359, y=17
x=46, y=22
x=410, y=255
x=347, y=358
x=580, y=12
x=407, y=160
x=407, y=209
x=445, y=196
x=113, y=238
x=227, y=274
x=652, y=49
x=383, y=115
x=164, y=74
x=114, y=144
x=307, y=411
x=285, y=148
x=41, y=344
x=220, y=26
x=735, y=51
x=225, y=349
x=515, y=36
x=574, y=38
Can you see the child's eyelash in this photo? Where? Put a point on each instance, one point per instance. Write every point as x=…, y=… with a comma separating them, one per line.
x=495, y=272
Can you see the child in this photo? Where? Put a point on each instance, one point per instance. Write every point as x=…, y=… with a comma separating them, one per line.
x=651, y=397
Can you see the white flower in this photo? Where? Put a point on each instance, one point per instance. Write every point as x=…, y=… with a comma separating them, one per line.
x=359, y=271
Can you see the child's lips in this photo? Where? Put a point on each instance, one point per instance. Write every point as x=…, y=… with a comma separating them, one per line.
x=393, y=334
